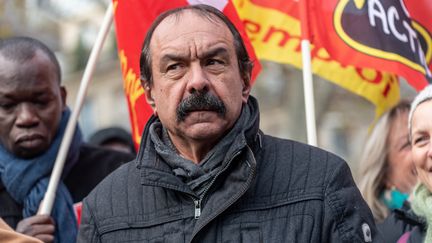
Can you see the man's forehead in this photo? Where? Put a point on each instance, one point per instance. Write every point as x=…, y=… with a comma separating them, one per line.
x=7, y=67
x=191, y=15
x=189, y=18
x=34, y=69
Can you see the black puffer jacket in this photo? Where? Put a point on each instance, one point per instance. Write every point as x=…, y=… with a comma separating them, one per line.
x=403, y=222
x=273, y=190
x=93, y=165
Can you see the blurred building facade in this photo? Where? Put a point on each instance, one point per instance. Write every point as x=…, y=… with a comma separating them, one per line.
x=70, y=28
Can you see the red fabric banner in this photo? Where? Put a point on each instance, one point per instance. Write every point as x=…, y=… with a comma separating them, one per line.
x=132, y=19
x=388, y=35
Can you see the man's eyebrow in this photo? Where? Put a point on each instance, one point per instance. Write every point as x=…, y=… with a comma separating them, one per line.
x=208, y=54
x=42, y=94
x=215, y=52
x=172, y=57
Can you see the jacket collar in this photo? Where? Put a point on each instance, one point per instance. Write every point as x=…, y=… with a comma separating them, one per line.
x=407, y=214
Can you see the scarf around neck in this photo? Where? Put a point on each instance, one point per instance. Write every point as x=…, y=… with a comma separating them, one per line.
x=393, y=198
x=26, y=180
x=199, y=176
x=422, y=206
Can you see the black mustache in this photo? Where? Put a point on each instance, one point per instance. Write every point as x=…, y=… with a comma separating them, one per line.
x=199, y=102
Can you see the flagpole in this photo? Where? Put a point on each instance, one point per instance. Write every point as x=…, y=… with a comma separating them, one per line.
x=48, y=201
x=307, y=75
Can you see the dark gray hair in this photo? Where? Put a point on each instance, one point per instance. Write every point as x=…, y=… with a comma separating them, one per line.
x=211, y=13
x=21, y=49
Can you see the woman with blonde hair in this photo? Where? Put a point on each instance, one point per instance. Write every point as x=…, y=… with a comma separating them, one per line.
x=387, y=174
x=414, y=222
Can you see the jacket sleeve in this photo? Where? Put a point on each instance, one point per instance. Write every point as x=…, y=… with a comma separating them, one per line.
x=347, y=218
x=87, y=230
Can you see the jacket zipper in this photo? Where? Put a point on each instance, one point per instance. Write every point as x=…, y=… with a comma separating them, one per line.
x=197, y=208
x=233, y=199
x=197, y=201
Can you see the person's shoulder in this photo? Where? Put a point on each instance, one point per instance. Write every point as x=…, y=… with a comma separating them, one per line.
x=93, y=165
x=96, y=153
x=299, y=165
x=298, y=152
x=398, y=222
x=99, y=161
x=116, y=182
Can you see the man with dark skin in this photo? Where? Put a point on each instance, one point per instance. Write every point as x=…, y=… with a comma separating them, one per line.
x=33, y=116
x=204, y=171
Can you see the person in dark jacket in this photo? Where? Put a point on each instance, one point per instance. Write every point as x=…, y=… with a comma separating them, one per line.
x=413, y=223
x=115, y=138
x=204, y=171
x=33, y=117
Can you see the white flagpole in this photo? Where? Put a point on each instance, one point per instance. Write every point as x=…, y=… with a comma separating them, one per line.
x=308, y=93
x=48, y=201
x=307, y=75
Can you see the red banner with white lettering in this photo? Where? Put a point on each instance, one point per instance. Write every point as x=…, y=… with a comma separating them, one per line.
x=132, y=19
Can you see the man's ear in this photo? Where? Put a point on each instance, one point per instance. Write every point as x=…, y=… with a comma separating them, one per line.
x=63, y=95
x=246, y=89
x=149, y=96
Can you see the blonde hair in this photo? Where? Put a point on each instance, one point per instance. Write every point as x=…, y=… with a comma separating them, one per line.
x=373, y=165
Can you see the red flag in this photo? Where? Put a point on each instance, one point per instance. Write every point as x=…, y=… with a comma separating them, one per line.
x=388, y=35
x=132, y=19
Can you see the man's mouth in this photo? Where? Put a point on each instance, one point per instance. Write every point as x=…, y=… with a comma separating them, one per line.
x=30, y=140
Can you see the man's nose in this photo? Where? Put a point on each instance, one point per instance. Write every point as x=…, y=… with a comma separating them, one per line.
x=198, y=79
x=27, y=115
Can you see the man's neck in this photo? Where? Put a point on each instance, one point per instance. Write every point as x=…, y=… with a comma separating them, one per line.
x=194, y=151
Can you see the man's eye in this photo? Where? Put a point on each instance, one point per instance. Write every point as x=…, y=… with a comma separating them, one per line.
x=7, y=105
x=214, y=62
x=175, y=66
x=41, y=103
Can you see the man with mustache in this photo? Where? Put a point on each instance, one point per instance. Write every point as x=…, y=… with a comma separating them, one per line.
x=33, y=117
x=204, y=171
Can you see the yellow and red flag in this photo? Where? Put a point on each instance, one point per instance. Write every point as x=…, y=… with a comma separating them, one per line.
x=132, y=19
x=274, y=28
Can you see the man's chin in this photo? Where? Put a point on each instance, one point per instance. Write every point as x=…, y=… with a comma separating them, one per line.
x=201, y=117
x=29, y=152
x=205, y=130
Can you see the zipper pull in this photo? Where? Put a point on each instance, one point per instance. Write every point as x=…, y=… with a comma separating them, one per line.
x=197, y=208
